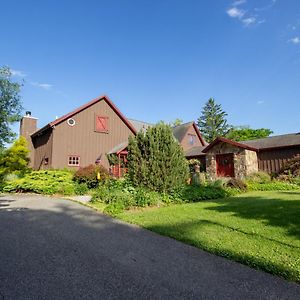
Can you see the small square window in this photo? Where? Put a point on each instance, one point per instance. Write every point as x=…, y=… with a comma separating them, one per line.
x=74, y=160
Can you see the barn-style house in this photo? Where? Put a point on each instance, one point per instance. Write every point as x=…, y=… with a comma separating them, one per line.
x=87, y=134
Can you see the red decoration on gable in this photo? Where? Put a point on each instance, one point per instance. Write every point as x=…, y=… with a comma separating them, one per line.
x=101, y=124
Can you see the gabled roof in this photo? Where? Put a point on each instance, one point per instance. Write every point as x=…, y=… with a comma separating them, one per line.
x=181, y=130
x=272, y=142
x=119, y=148
x=195, y=151
x=140, y=125
x=227, y=141
x=83, y=107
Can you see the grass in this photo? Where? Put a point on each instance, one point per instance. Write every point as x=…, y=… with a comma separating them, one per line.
x=259, y=229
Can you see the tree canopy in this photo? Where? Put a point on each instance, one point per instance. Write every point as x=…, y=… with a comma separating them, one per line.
x=10, y=105
x=14, y=159
x=156, y=160
x=245, y=133
x=212, y=122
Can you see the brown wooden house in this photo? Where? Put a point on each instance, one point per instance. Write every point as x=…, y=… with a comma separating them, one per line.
x=226, y=158
x=86, y=135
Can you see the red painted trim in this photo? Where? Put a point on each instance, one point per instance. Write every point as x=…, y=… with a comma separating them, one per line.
x=224, y=140
x=121, y=151
x=199, y=134
x=105, y=126
x=83, y=107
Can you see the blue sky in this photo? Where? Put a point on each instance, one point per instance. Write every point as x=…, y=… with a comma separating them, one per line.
x=158, y=59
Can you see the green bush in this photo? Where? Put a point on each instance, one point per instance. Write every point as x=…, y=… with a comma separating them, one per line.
x=193, y=193
x=272, y=186
x=259, y=177
x=80, y=188
x=91, y=175
x=156, y=160
x=236, y=184
x=14, y=160
x=143, y=198
x=43, y=182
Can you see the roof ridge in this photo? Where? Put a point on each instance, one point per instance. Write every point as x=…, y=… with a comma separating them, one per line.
x=190, y=122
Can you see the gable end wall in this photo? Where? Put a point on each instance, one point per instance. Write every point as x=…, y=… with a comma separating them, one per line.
x=82, y=139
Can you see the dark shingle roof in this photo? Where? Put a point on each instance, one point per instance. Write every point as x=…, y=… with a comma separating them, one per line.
x=180, y=130
x=277, y=141
x=195, y=151
x=140, y=125
x=118, y=148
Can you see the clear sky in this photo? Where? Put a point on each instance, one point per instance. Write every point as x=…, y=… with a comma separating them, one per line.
x=158, y=59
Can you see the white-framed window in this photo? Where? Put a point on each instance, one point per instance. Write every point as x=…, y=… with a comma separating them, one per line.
x=71, y=122
x=73, y=160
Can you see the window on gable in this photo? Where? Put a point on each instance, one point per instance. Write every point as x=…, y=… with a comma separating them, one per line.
x=101, y=124
x=192, y=139
x=73, y=160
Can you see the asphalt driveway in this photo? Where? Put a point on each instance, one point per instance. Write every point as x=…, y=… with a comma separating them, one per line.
x=58, y=249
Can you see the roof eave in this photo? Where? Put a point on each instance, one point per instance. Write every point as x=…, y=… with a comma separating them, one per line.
x=233, y=143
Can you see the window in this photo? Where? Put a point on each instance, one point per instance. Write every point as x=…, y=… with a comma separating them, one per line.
x=71, y=122
x=101, y=124
x=46, y=160
x=192, y=139
x=73, y=160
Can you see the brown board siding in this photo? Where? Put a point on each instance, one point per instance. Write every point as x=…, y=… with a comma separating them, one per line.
x=83, y=140
x=272, y=161
x=43, y=149
x=185, y=143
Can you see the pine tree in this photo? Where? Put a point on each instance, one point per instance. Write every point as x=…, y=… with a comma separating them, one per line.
x=212, y=122
x=156, y=160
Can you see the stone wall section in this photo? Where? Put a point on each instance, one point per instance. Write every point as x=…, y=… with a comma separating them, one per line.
x=245, y=161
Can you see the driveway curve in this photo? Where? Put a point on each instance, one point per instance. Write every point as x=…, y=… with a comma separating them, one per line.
x=58, y=249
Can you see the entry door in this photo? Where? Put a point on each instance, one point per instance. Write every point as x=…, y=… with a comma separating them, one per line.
x=225, y=167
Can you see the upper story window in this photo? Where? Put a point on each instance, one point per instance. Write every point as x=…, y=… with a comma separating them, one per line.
x=73, y=160
x=101, y=124
x=192, y=139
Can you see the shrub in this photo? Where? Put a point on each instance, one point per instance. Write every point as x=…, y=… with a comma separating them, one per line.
x=197, y=193
x=236, y=184
x=91, y=175
x=14, y=159
x=80, y=188
x=156, y=160
x=259, y=177
x=43, y=182
x=272, y=186
x=291, y=167
x=198, y=178
x=143, y=198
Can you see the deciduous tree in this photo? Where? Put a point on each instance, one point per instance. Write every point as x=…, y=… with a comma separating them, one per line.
x=10, y=105
x=246, y=133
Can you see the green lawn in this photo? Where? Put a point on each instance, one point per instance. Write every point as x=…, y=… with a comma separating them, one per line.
x=260, y=229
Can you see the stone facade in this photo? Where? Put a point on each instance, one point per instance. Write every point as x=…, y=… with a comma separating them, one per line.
x=245, y=161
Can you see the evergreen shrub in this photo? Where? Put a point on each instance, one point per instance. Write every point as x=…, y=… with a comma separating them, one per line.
x=43, y=182
x=156, y=160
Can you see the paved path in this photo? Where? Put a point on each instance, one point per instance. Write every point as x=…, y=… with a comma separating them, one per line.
x=58, y=249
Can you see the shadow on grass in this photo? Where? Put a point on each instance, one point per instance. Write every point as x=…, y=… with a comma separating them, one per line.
x=273, y=211
x=184, y=233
